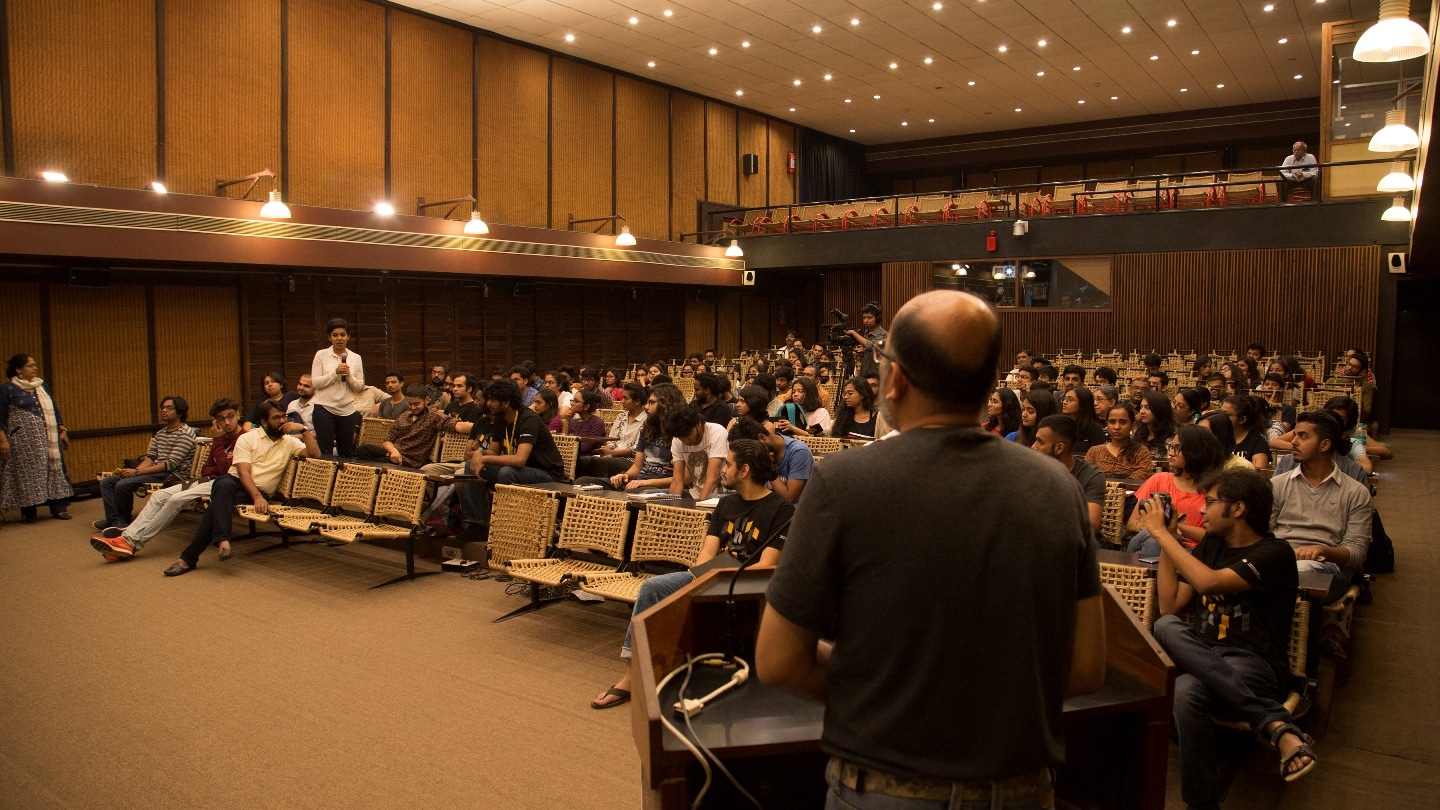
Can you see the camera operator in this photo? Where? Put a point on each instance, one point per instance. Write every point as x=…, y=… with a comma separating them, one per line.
x=870, y=322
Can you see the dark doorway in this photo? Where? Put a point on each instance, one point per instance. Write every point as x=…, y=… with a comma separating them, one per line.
x=1417, y=344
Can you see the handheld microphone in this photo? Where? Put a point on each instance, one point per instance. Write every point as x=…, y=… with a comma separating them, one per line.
x=730, y=640
x=344, y=357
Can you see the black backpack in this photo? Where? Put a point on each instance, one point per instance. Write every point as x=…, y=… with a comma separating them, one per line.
x=1381, y=557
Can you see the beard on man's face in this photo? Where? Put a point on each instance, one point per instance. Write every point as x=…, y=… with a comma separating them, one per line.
x=274, y=432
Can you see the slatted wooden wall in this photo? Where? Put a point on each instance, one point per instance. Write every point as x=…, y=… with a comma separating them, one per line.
x=721, y=161
x=582, y=118
x=782, y=183
x=431, y=112
x=687, y=161
x=754, y=188
x=642, y=136
x=20, y=328
x=512, y=147
x=196, y=353
x=901, y=281
x=848, y=290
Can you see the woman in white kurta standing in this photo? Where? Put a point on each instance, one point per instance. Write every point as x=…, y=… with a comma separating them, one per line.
x=338, y=375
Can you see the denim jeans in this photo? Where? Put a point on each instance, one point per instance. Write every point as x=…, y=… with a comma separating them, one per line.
x=335, y=434
x=119, y=495
x=652, y=591
x=1144, y=545
x=841, y=797
x=160, y=509
x=1222, y=681
x=225, y=493
x=475, y=500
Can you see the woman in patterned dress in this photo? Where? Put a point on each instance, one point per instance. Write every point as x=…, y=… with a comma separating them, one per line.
x=32, y=444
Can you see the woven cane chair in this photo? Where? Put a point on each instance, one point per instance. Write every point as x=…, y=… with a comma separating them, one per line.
x=352, y=499
x=450, y=448
x=1112, y=514
x=610, y=415
x=686, y=386
x=569, y=447
x=590, y=525
x=662, y=534
x=1195, y=192
x=822, y=445
x=399, y=505
x=1297, y=655
x=522, y=521
x=197, y=466
x=1136, y=586
x=374, y=430
x=309, y=493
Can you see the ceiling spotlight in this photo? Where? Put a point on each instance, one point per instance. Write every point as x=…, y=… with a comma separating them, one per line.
x=932, y=120
x=1299, y=76
x=854, y=21
x=877, y=96
x=1397, y=212
x=739, y=92
x=1081, y=101
x=384, y=209
x=937, y=6
x=847, y=101
x=669, y=13
x=1219, y=87
x=1184, y=89
x=159, y=188
x=1170, y=24
x=714, y=51
x=1017, y=109
x=1284, y=40
x=972, y=84
x=1114, y=98
x=893, y=65
x=1042, y=43
x=852, y=130
x=1269, y=7
x=634, y=20
x=275, y=209
x=792, y=109
x=827, y=77
x=1397, y=181
x=734, y=251
x=1394, y=38
x=745, y=44
x=904, y=123
x=1003, y=49
x=1194, y=53
x=1396, y=136
x=569, y=37
x=651, y=63
x=1125, y=30
x=1040, y=73
x=796, y=82
x=1153, y=57
x=816, y=29
x=54, y=177
x=928, y=60
x=476, y=226
x=1077, y=67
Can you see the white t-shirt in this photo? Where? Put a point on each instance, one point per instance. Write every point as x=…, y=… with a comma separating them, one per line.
x=714, y=444
x=267, y=457
x=819, y=417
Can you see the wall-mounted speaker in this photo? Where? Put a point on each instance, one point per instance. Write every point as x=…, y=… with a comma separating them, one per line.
x=1396, y=262
x=750, y=164
x=747, y=277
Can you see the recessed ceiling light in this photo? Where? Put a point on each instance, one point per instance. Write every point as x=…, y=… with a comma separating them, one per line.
x=972, y=84
x=1153, y=57
x=932, y=120
x=1284, y=40
x=1269, y=7
x=877, y=96
x=1169, y=23
x=634, y=20
x=569, y=37
x=893, y=66
x=1336, y=81
x=938, y=6
x=651, y=63
x=792, y=109
x=928, y=60
x=847, y=101
x=1125, y=30
x=904, y=123
x=1042, y=43
x=714, y=51
x=1003, y=49
x=669, y=13
x=852, y=130
x=1184, y=89
x=739, y=92
x=816, y=29
x=1081, y=101
x=745, y=43
x=1040, y=73
x=1299, y=76
x=1194, y=53
x=1114, y=98
x=1077, y=67
x=1017, y=109
x=827, y=77
x=797, y=82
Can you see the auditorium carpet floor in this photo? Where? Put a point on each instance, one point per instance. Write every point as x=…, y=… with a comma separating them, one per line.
x=280, y=681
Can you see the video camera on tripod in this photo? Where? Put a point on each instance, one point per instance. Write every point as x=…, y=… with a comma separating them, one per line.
x=839, y=333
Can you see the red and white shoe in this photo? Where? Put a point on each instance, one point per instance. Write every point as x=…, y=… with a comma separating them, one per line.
x=114, y=549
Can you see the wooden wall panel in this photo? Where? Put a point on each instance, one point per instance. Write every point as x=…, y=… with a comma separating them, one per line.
x=222, y=93
x=92, y=454
x=899, y=282
x=582, y=113
x=1024, y=175
x=755, y=322
x=727, y=324
x=847, y=290
x=720, y=158
x=264, y=327
x=943, y=182
x=197, y=350
x=103, y=372
x=1165, y=164
x=513, y=137
x=642, y=139
x=700, y=322
x=754, y=190
x=470, y=355
x=82, y=81
x=430, y=112
x=20, y=322
x=782, y=183
x=1107, y=169
x=687, y=161
x=1047, y=333
x=337, y=103
x=1068, y=173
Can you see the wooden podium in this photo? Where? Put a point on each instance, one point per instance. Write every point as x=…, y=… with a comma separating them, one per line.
x=1117, y=739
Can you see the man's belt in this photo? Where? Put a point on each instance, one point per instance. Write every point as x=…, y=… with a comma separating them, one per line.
x=1034, y=787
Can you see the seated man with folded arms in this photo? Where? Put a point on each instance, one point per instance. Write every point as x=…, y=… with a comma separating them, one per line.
x=793, y=459
x=301, y=410
x=1324, y=514
x=368, y=399
x=590, y=381
x=392, y=406
x=170, y=451
x=257, y=467
x=520, y=451
x=1232, y=657
x=584, y=421
x=162, y=507
x=412, y=438
x=750, y=519
x=698, y=449
x=614, y=457
x=1055, y=437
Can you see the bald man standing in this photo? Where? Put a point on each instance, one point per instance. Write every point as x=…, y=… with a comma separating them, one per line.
x=937, y=688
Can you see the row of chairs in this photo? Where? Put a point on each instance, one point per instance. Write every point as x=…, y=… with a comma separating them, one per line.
x=345, y=501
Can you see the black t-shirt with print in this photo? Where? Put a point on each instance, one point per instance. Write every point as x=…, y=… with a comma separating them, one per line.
x=1259, y=619
x=529, y=429
x=743, y=525
x=1254, y=442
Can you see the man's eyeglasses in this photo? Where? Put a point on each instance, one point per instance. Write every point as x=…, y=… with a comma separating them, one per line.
x=877, y=347
x=1212, y=501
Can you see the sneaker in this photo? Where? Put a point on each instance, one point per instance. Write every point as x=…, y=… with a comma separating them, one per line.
x=112, y=558
x=113, y=547
x=102, y=523
x=112, y=533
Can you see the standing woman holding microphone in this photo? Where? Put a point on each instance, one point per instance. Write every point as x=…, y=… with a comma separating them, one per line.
x=337, y=375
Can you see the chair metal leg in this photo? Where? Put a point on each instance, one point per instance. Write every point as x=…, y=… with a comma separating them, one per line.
x=410, y=573
x=536, y=603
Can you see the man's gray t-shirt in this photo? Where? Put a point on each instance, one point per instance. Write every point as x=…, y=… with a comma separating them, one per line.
x=952, y=610
x=1092, y=481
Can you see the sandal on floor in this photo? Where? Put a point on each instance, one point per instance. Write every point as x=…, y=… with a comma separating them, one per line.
x=622, y=694
x=1301, y=750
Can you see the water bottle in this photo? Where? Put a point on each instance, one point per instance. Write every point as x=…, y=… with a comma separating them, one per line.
x=1360, y=434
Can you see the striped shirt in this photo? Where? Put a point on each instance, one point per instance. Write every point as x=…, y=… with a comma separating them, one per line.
x=173, y=448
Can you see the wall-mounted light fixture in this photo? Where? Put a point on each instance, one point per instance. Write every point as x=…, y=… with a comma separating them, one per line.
x=1396, y=135
x=275, y=208
x=622, y=239
x=159, y=188
x=54, y=177
x=475, y=226
x=1394, y=38
x=1397, y=212
x=1398, y=180
x=734, y=250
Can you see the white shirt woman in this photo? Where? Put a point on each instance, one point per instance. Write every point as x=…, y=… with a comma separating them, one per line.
x=337, y=375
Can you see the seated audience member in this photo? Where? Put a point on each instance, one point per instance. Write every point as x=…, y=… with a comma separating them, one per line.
x=1195, y=454
x=1156, y=424
x=520, y=375
x=1159, y=381
x=1299, y=170
x=1152, y=363
x=855, y=419
x=1235, y=380
x=520, y=451
x=1274, y=390
x=612, y=383
x=1105, y=375
x=804, y=414
x=497, y=372
x=1202, y=367
x=1248, y=416
x=1139, y=387
x=1357, y=367
x=1218, y=423
x=463, y=388
x=697, y=449
x=1295, y=372
x=162, y=507
x=1215, y=384
x=1285, y=462
x=707, y=400
x=412, y=438
x=614, y=457
x=1231, y=658
x=1046, y=373
x=1187, y=406
x=368, y=399
x=793, y=459
x=1364, y=361
x=438, y=390
x=169, y=452
x=1363, y=448
x=559, y=382
x=751, y=520
x=1322, y=513
x=812, y=372
x=394, y=405
x=784, y=379
x=585, y=422
x=1079, y=404
x=301, y=410
x=1002, y=412
x=1255, y=351
x=590, y=381
x=1106, y=397
x=547, y=407
x=1056, y=439
x=752, y=401
x=1036, y=405
x=651, y=464
x=255, y=471
x=274, y=387
x=1073, y=376
x=1121, y=457
x=1024, y=378
x=1024, y=359
x=1252, y=372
